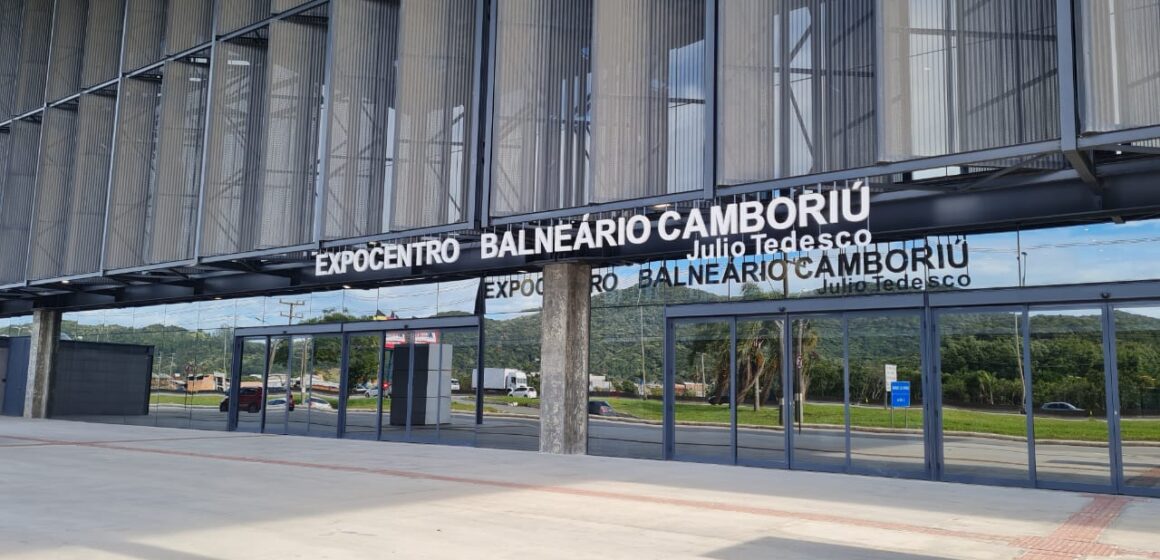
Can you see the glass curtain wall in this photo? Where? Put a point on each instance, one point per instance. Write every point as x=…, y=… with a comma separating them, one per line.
x=1121, y=63
x=596, y=101
x=1138, y=381
x=398, y=155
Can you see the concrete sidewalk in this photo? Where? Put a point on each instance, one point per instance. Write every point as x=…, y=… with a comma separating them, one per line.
x=76, y=490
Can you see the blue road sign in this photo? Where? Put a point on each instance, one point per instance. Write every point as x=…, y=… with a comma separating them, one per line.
x=900, y=394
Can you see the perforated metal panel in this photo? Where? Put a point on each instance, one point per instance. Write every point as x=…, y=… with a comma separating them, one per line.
x=36, y=29
x=144, y=32
x=188, y=24
x=16, y=199
x=102, y=50
x=236, y=14
x=71, y=188
x=1121, y=58
x=400, y=115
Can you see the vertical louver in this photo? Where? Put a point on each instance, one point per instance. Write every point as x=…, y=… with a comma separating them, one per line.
x=796, y=88
x=648, y=98
x=597, y=101
x=964, y=75
x=16, y=198
x=144, y=32
x=542, y=86
x=71, y=188
x=1121, y=62
x=400, y=115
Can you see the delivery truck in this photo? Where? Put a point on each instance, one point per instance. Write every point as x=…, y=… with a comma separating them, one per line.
x=499, y=379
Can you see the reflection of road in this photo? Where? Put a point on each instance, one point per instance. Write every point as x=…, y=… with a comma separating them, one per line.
x=885, y=453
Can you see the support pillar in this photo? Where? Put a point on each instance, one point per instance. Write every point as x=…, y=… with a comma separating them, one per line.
x=564, y=359
x=41, y=358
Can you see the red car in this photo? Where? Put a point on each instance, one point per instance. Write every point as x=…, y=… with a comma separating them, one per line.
x=249, y=400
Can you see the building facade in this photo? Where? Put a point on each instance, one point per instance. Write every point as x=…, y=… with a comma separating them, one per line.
x=897, y=237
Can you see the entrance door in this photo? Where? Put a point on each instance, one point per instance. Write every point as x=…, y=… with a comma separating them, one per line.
x=1069, y=398
x=809, y=391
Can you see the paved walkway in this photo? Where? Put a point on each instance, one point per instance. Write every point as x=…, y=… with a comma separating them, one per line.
x=76, y=490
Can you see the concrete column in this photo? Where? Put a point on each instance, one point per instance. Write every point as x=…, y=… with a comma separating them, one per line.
x=41, y=358
x=564, y=359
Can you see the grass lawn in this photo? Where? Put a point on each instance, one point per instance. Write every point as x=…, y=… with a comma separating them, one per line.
x=954, y=419
x=194, y=400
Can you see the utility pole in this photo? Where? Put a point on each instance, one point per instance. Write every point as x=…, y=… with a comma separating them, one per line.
x=290, y=315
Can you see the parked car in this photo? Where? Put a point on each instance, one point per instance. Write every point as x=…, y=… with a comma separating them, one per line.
x=600, y=408
x=523, y=391
x=1062, y=408
x=454, y=384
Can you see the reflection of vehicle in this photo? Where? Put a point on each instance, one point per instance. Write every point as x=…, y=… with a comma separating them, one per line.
x=523, y=391
x=317, y=404
x=600, y=408
x=718, y=399
x=1063, y=408
x=499, y=379
x=454, y=384
x=373, y=392
x=279, y=403
x=249, y=400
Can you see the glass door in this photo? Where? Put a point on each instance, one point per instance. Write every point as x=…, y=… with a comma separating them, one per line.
x=700, y=386
x=887, y=420
x=363, y=385
x=983, y=384
x=1069, y=398
x=817, y=376
x=761, y=418
x=1137, y=347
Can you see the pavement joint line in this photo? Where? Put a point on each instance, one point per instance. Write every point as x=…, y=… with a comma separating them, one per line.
x=1074, y=539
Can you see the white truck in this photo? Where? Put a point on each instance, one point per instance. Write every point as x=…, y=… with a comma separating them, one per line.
x=499, y=379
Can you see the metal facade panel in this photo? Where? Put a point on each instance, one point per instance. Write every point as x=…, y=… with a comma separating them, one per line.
x=362, y=115
x=233, y=164
x=262, y=159
x=648, y=98
x=542, y=82
x=102, y=50
x=50, y=214
x=188, y=24
x=36, y=29
x=16, y=199
x=961, y=76
x=435, y=116
x=296, y=66
x=85, y=222
x=236, y=14
x=137, y=122
x=173, y=202
x=68, y=39
x=144, y=32
x=1121, y=60
x=11, y=12
x=804, y=109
